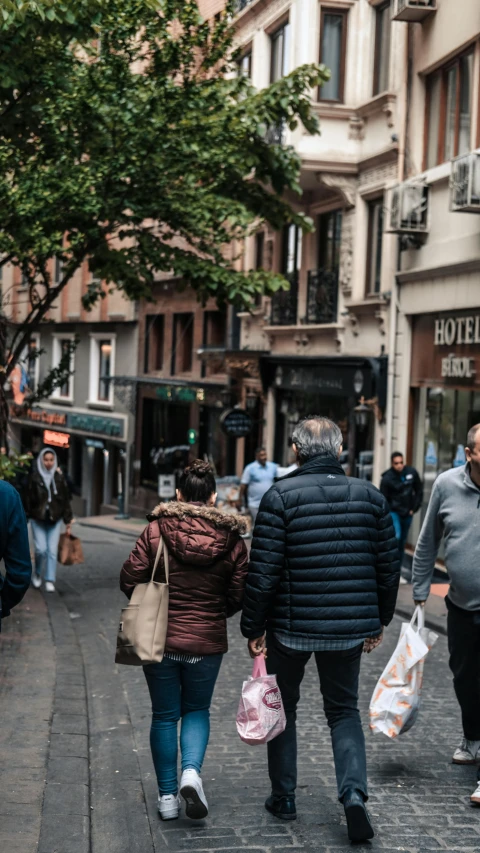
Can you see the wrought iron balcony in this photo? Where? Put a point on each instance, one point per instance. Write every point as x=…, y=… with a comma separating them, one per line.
x=284, y=303
x=322, y=296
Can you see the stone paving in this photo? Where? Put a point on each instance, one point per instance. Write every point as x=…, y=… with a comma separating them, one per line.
x=419, y=800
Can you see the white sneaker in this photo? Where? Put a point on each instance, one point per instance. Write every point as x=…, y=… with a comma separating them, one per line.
x=467, y=753
x=191, y=789
x=168, y=805
x=49, y=586
x=475, y=798
x=36, y=580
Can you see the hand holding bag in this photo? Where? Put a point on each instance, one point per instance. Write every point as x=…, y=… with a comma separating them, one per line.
x=396, y=699
x=70, y=551
x=143, y=623
x=260, y=716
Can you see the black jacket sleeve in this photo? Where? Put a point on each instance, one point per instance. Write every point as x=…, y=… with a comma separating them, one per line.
x=267, y=560
x=417, y=491
x=387, y=566
x=16, y=556
x=384, y=486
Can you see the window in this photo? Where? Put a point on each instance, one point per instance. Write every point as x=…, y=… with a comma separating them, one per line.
x=154, y=342
x=333, y=43
x=30, y=363
x=449, y=111
x=182, y=348
x=279, y=55
x=374, y=246
x=102, y=368
x=62, y=346
x=259, y=249
x=214, y=328
x=382, y=48
x=329, y=240
x=245, y=65
x=57, y=270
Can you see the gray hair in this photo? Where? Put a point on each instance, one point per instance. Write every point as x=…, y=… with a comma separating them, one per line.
x=472, y=437
x=314, y=435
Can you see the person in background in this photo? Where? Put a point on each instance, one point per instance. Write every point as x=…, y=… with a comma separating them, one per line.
x=256, y=480
x=402, y=487
x=454, y=515
x=46, y=499
x=323, y=580
x=14, y=550
x=208, y=566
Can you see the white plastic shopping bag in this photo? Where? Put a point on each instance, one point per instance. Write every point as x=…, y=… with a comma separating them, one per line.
x=396, y=699
x=260, y=715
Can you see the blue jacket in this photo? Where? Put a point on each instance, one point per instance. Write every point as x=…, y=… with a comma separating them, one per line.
x=14, y=549
x=324, y=562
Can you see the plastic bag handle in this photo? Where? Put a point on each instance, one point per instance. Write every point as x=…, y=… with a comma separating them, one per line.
x=419, y=617
x=259, y=667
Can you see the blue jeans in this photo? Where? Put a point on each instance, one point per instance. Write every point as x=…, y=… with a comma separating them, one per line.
x=183, y=691
x=45, y=538
x=338, y=673
x=402, y=526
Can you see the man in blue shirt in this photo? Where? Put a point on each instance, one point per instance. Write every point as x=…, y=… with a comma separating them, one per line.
x=257, y=479
x=14, y=549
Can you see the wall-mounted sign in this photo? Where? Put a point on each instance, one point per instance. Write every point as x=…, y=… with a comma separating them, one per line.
x=446, y=350
x=56, y=439
x=180, y=394
x=40, y=416
x=93, y=442
x=166, y=486
x=96, y=423
x=236, y=423
x=72, y=421
x=450, y=331
x=456, y=366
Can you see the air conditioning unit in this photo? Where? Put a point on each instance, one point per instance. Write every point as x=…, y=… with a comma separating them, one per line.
x=409, y=209
x=465, y=183
x=413, y=10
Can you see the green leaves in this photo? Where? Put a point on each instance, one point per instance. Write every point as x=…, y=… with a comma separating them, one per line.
x=125, y=128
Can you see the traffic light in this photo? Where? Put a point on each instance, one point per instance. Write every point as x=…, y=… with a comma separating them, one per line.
x=192, y=436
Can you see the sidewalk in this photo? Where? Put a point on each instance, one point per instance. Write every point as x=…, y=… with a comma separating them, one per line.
x=114, y=524
x=435, y=608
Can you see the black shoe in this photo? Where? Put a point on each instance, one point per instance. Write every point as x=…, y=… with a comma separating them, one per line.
x=282, y=807
x=358, y=821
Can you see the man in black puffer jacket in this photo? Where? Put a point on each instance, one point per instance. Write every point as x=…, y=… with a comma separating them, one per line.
x=323, y=579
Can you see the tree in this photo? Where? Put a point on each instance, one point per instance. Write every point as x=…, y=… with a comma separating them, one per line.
x=128, y=138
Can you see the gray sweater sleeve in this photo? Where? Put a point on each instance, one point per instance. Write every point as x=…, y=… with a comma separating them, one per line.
x=427, y=547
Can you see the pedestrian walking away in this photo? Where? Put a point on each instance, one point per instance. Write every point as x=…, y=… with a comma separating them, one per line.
x=46, y=499
x=323, y=580
x=208, y=567
x=14, y=550
x=256, y=480
x=403, y=489
x=454, y=515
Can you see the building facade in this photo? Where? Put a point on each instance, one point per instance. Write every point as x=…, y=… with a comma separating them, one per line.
x=323, y=344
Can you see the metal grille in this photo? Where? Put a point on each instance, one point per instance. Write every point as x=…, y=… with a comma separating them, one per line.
x=284, y=303
x=322, y=296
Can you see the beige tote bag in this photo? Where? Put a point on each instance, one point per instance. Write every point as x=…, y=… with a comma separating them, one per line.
x=143, y=623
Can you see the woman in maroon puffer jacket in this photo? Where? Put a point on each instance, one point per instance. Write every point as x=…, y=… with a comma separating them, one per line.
x=208, y=568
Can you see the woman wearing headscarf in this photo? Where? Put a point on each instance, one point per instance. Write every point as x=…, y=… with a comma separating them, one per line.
x=46, y=500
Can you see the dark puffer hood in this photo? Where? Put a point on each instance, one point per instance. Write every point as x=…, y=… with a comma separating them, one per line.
x=196, y=534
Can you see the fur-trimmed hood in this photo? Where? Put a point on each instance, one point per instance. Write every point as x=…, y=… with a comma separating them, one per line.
x=195, y=533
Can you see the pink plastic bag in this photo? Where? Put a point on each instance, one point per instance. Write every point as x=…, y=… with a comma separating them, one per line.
x=260, y=715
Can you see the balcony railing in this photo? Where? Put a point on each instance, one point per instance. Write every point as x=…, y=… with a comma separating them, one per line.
x=322, y=296
x=284, y=303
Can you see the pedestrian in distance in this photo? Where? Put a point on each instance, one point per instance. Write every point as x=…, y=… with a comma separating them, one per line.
x=257, y=478
x=403, y=489
x=454, y=515
x=208, y=566
x=46, y=499
x=14, y=550
x=323, y=580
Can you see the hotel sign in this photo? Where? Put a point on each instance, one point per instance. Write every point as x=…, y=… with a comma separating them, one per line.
x=446, y=350
x=454, y=331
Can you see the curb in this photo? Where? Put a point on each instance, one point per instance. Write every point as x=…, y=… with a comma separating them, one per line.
x=123, y=531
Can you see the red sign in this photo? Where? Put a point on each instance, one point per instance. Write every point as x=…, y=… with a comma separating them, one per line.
x=56, y=439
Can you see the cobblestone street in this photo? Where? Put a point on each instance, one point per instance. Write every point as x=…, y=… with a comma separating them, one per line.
x=89, y=741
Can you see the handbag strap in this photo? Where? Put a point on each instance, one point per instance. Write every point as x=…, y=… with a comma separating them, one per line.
x=161, y=545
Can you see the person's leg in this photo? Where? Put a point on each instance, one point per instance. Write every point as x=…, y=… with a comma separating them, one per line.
x=198, y=683
x=53, y=536
x=163, y=681
x=40, y=544
x=339, y=672
x=289, y=667
x=405, y=524
x=396, y=525
x=464, y=647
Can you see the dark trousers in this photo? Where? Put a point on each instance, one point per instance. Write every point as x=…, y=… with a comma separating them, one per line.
x=464, y=646
x=338, y=673
x=401, y=526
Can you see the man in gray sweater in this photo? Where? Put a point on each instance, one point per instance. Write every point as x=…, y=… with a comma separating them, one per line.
x=454, y=514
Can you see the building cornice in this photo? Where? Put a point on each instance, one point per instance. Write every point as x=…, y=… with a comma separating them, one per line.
x=442, y=271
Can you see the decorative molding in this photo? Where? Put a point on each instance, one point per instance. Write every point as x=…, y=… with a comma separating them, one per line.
x=354, y=323
x=344, y=185
x=443, y=271
x=356, y=128
x=248, y=365
x=337, y=167
x=384, y=103
x=302, y=341
x=388, y=155
x=378, y=176
x=346, y=255
x=382, y=316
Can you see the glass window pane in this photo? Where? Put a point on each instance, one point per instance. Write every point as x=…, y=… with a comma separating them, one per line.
x=104, y=369
x=466, y=68
x=382, y=57
x=434, y=94
x=278, y=46
x=450, y=112
x=332, y=55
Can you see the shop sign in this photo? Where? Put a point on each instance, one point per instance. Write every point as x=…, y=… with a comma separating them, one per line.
x=96, y=423
x=93, y=442
x=180, y=394
x=40, y=416
x=331, y=380
x=236, y=423
x=458, y=367
x=454, y=331
x=56, y=439
x=446, y=350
